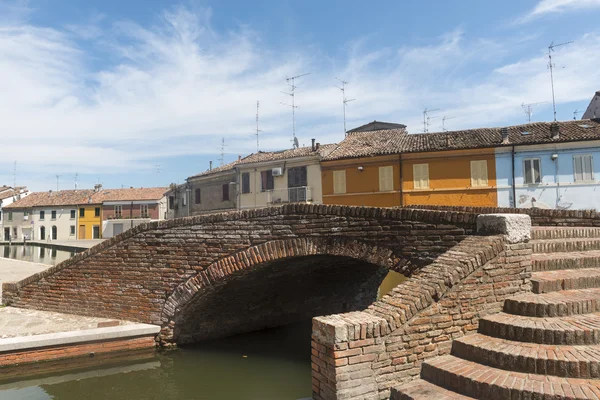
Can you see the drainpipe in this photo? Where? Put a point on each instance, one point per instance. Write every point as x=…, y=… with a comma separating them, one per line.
x=131, y=214
x=401, y=180
x=514, y=189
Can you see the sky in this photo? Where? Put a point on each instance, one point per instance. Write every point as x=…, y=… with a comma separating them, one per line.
x=144, y=92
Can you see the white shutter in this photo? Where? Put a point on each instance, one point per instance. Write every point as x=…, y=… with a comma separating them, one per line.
x=421, y=176
x=589, y=168
x=583, y=168
x=386, y=179
x=339, y=182
x=479, y=175
x=537, y=171
x=578, y=164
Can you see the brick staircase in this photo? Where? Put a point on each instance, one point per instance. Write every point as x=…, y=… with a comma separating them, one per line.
x=544, y=345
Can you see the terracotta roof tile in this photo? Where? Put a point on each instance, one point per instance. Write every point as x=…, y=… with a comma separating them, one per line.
x=7, y=191
x=129, y=194
x=60, y=198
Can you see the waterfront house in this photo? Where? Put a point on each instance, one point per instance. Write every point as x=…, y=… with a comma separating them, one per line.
x=9, y=195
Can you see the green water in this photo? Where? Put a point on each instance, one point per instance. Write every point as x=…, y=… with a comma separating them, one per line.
x=36, y=254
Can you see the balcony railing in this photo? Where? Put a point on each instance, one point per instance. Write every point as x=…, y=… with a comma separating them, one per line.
x=301, y=194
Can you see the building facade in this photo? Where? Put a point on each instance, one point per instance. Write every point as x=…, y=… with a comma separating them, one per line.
x=593, y=109
x=9, y=195
x=89, y=221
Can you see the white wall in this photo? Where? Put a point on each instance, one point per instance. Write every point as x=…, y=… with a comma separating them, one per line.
x=108, y=226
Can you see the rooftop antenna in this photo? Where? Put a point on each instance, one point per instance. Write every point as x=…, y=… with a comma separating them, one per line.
x=292, y=93
x=345, y=100
x=296, y=143
x=257, y=130
x=57, y=177
x=157, y=166
x=444, y=119
x=576, y=114
x=15, y=175
x=551, y=66
x=427, y=118
x=528, y=108
x=76, y=175
x=222, y=157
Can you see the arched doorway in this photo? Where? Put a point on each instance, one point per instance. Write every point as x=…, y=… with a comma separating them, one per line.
x=54, y=232
x=42, y=233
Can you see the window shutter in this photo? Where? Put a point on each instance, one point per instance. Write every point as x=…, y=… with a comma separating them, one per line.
x=386, y=178
x=578, y=164
x=537, y=178
x=339, y=182
x=421, y=176
x=479, y=174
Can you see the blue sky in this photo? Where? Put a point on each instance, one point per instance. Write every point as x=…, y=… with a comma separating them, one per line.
x=141, y=93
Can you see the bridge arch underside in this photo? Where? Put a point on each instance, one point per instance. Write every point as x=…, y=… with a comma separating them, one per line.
x=277, y=293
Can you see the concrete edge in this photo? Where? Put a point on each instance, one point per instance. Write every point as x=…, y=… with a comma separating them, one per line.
x=76, y=337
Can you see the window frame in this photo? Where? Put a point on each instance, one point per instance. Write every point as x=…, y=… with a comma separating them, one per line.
x=53, y=215
x=10, y=216
x=419, y=187
x=246, y=182
x=389, y=179
x=269, y=178
x=144, y=214
x=72, y=230
x=42, y=215
x=225, y=189
x=198, y=196
x=539, y=160
x=339, y=188
x=475, y=179
x=119, y=213
x=96, y=211
x=591, y=172
x=82, y=212
x=73, y=214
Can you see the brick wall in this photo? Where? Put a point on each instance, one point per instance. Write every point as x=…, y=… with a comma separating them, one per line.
x=539, y=217
x=361, y=355
x=150, y=272
x=129, y=210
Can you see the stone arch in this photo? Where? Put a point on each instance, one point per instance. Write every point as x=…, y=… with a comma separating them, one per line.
x=253, y=257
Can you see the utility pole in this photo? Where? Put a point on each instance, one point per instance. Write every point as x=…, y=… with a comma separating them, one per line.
x=15, y=175
x=257, y=130
x=551, y=66
x=57, y=177
x=427, y=119
x=76, y=176
x=222, y=158
x=345, y=101
x=292, y=94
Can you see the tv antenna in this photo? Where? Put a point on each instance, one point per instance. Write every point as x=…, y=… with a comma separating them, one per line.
x=576, y=114
x=292, y=93
x=345, y=100
x=222, y=157
x=551, y=66
x=257, y=130
x=76, y=175
x=296, y=143
x=427, y=119
x=57, y=178
x=444, y=119
x=157, y=168
x=15, y=175
x=528, y=108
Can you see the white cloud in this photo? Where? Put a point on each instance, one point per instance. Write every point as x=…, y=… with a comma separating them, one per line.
x=177, y=87
x=558, y=6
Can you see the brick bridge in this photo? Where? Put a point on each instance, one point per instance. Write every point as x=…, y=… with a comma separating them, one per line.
x=216, y=275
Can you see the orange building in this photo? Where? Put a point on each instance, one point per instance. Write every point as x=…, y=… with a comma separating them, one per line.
x=389, y=167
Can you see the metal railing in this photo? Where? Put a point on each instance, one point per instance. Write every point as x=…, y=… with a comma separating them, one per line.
x=301, y=194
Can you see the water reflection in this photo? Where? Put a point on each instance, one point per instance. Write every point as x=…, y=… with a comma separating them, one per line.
x=36, y=254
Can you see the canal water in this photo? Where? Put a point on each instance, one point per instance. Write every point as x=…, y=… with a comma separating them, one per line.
x=272, y=364
x=34, y=253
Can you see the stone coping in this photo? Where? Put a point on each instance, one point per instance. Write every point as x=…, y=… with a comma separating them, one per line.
x=75, y=337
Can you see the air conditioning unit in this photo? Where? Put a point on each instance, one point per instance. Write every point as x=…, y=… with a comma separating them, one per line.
x=277, y=171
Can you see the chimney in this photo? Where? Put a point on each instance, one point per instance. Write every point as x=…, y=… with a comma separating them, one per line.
x=98, y=187
x=313, y=144
x=504, y=132
x=239, y=158
x=554, y=130
x=317, y=146
x=210, y=165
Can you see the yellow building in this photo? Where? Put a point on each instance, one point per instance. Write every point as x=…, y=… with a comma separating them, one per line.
x=89, y=221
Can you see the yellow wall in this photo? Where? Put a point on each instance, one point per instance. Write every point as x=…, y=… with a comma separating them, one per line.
x=449, y=180
x=89, y=220
x=362, y=187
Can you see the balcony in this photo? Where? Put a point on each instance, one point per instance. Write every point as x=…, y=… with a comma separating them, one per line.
x=301, y=194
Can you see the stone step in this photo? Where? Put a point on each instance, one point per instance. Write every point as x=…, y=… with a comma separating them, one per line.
x=573, y=260
x=422, y=390
x=564, y=245
x=552, y=232
x=571, y=330
x=571, y=279
x=485, y=382
x=554, y=304
x=545, y=359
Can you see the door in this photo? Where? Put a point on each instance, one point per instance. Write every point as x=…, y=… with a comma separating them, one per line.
x=117, y=229
x=42, y=233
x=297, y=181
x=54, y=232
x=81, y=231
x=7, y=234
x=96, y=232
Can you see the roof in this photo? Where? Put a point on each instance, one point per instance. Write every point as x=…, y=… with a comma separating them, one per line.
x=222, y=168
x=593, y=109
x=396, y=141
x=129, y=194
x=59, y=198
x=377, y=126
x=7, y=191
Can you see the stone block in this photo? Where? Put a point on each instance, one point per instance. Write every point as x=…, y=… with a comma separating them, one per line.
x=516, y=228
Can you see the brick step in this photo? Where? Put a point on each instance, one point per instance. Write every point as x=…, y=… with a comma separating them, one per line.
x=564, y=245
x=570, y=279
x=554, y=304
x=559, y=261
x=545, y=359
x=551, y=232
x=571, y=330
x=484, y=382
x=422, y=390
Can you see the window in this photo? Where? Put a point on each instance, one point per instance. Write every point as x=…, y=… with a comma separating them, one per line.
x=97, y=212
x=10, y=215
x=171, y=202
x=72, y=230
x=297, y=177
x=118, y=211
x=532, y=171
x=73, y=214
x=198, y=196
x=53, y=214
x=583, y=168
x=81, y=212
x=421, y=176
x=339, y=182
x=15, y=231
x=184, y=199
x=144, y=210
x=246, y=182
x=479, y=173
x=386, y=178
x=266, y=179
x=42, y=215
x=226, y=192
x=25, y=215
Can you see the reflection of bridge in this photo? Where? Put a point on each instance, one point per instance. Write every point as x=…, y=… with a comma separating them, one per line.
x=216, y=275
